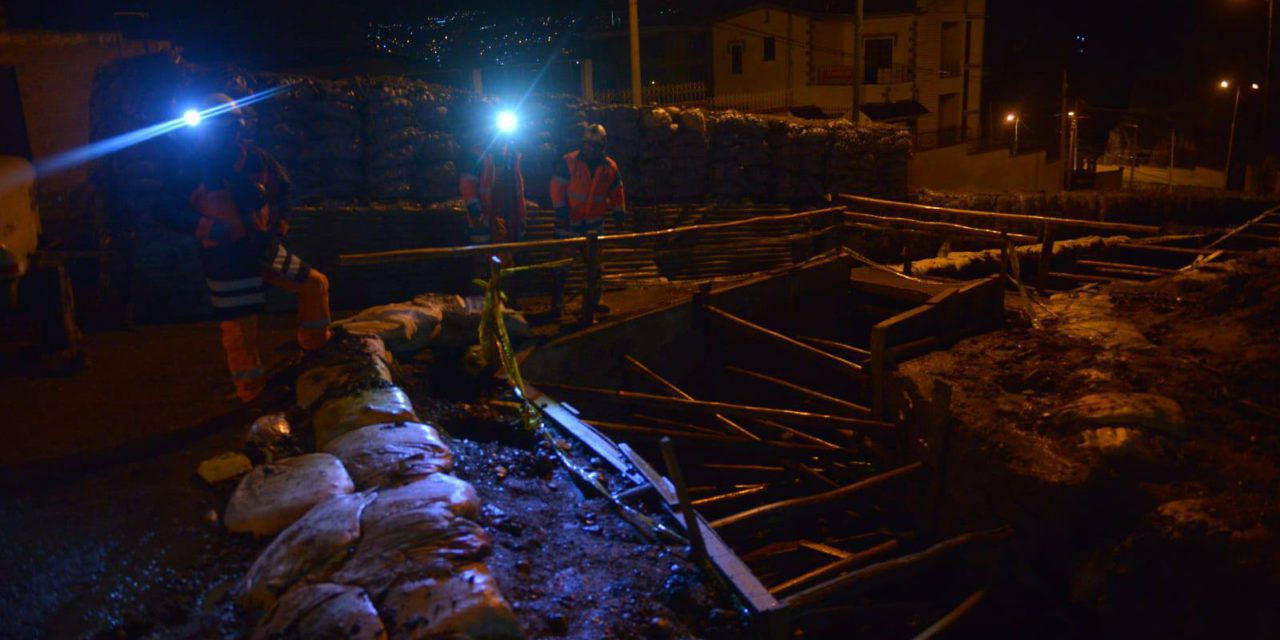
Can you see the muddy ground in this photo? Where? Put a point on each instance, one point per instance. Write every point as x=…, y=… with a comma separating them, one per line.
x=127, y=544
x=1164, y=525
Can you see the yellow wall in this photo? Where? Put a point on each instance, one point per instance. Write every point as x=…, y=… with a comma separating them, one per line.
x=953, y=168
x=807, y=43
x=55, y=79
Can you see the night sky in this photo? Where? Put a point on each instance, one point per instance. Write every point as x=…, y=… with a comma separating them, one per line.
x=1161, y=59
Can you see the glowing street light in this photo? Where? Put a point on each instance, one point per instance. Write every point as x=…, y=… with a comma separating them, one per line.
x=1231, y=137
x=1015, y=120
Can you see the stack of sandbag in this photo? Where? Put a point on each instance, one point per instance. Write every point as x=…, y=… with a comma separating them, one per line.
x=394, y=137
x=625, y=142
x=740, y=166
x=673, y=156
x=799, y=152
x=395, y=551
x=430, y=320
x=314, y=129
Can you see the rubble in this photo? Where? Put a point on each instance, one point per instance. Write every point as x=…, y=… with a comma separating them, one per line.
x=225, y=466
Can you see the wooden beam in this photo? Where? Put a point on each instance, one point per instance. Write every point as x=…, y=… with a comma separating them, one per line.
x=834, y=568
x=813, y=354
x=817, y=500
x=840, y=406
x=729, y=425
x=1013, y=217
x=697, y=439
x=942, y=228
x=1126, y=266
x=700, y=407
x=732, y=495
x=847, y=349
x=944, y=623
x=856, y=581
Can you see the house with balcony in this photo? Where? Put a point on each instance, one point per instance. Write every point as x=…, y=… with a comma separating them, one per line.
x=921, y=62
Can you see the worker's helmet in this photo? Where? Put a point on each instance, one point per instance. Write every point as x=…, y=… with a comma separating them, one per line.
x=221, y=113
x=595, y=133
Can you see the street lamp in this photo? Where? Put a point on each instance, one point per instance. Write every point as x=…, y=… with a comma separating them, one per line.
x=1231, y=137
x=1015, y=120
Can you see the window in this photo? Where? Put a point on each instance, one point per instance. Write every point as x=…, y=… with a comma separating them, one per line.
x=951, y=50
x=735, y=58
x=770, y=49
x=877, y=58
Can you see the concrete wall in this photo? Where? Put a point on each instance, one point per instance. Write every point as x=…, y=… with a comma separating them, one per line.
x=55, y=79
x=953, y=168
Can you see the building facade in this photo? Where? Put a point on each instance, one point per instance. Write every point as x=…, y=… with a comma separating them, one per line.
x=921, y=62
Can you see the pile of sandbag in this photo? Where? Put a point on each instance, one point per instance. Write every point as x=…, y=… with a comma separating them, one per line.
x=799, y=152
x=740, y=163
x=409, y=154
x=373, y=537
x=430, y=320
x=868, y=160
x=314, y=128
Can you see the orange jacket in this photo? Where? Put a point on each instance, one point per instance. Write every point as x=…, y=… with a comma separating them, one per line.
x=219, y=206
x=477, y=187
x=585, y=194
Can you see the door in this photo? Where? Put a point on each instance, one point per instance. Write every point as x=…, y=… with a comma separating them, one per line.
x=948, y=118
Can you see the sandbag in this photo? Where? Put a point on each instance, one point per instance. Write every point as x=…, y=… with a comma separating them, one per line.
x=466, y=604
x=440, y=489
x=388, y=454
x=467, y=315
x=371, y=406
x=310, y=548
x=424, y=542
x=361, y=361
x=273, y=496
x=404, y=328
x=322, y=612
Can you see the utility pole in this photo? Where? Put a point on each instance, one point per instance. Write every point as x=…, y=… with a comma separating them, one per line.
x=633, y=14
x=857, y=62
x=1231, y=139
x=1266, y=80
x=1062, y=135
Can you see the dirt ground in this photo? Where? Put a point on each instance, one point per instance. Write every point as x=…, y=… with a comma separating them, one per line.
x=1162, y=523
x=107, y=532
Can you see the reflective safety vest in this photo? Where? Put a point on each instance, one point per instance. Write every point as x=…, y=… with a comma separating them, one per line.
x=478, y=187
x=584, y=194
x=248, y=200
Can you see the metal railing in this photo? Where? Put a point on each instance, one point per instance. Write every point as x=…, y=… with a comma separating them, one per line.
x=843, y=75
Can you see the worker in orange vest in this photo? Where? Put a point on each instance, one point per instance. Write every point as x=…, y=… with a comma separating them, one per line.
x=492, y=187
x=238, y=206
x=585, y=186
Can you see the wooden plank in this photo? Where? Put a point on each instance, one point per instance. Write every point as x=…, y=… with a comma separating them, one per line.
x=701, y=407
x=813, y=354
x=833, y=568
x=848, y=350
x=857, y=581
x=729, y=425
x=1012, y=217
x=840, y=406
x=944, y=623
x=942, y=228
x=805, y=503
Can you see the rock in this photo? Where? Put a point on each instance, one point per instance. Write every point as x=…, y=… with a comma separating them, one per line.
x=1124, y=444
x=269, y=429
x=338, y=416
x=322, y=611
x=388, y=454
x=224, y=466
x=1146, y=411
x=467, y=604
x=273, y=496
x=311, y=548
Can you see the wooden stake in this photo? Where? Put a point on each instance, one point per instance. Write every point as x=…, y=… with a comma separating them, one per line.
x=732, y=427
x=1046, y=256
x=593, y=272
x=841, y=406
x=699, y=407
x=859, y=580
x=686, y=505
x=849, y=350
x=940, y=627
x=836, y=567
x=795, y=505
x=792, y=345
